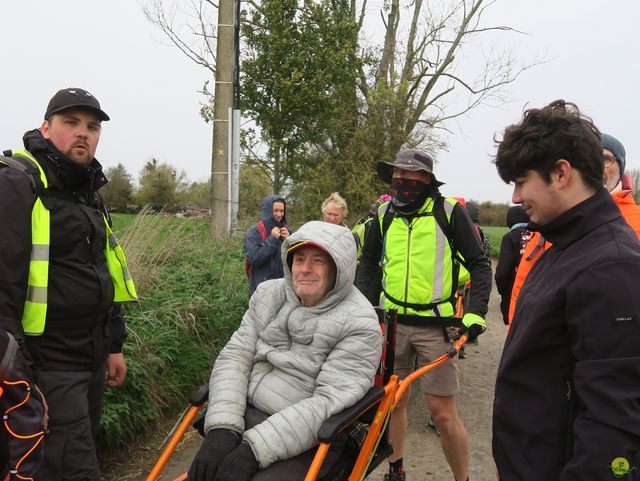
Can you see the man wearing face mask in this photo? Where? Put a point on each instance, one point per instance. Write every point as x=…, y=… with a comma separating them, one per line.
x=424, y=243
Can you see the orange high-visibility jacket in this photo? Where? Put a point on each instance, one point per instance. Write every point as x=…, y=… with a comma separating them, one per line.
x=630, y=211
x=536, y=246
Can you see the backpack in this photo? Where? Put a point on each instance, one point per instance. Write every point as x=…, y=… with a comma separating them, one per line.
x=26, y=167
x=262, y=230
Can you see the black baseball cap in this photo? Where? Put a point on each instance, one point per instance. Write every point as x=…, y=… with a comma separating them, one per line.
x=74, y=97
x=407, y=159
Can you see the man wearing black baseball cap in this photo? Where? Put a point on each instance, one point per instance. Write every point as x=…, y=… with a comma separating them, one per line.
x=74, y=97
x=425, y=242
x=62, y=277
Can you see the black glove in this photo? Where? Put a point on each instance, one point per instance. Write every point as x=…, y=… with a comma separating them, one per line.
x=240, y=465
x=215, y=447
x=472, y=326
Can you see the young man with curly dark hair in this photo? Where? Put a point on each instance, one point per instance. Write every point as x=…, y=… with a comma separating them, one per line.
x=568, y=385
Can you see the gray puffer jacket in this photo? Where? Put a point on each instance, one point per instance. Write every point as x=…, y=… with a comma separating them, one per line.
x=298, y=364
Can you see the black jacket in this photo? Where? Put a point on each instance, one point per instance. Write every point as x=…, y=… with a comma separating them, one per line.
x=567, y=398
x=511, y=248
x=83, y=326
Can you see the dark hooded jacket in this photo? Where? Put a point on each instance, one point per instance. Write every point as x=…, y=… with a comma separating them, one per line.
x=511, y=249
x=263, y=255
x=82, y=326
x=567, y=394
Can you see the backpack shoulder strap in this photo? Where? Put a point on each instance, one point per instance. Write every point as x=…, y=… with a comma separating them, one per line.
x=443, y=221
x=387, y=218
x=262, y=229
x=26, y=166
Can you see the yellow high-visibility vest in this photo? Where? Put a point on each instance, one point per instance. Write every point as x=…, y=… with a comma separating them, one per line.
x=418, y=269
x=34, y=314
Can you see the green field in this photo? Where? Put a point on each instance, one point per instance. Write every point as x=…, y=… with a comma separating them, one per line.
x=495, y=238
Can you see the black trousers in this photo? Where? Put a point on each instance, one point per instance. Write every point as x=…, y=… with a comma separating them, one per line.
x=295, y=468
x=75, y=404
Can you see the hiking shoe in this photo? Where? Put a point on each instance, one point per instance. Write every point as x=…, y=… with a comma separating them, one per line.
x=461, y=353
x=433, y=426
x=395, y=477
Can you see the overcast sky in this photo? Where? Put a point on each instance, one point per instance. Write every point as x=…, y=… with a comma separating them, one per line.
x=150, y=89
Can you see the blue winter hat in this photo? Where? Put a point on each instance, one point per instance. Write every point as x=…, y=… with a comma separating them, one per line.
x=614, y=146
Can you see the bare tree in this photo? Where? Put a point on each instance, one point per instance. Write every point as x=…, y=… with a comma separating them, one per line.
x=189, y=25
x=429, y=68
x=214, y=50
x=422, y=80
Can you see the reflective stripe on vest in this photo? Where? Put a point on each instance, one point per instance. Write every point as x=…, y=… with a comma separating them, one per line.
x=123, y=287
x=34, y=314
x=416, y=261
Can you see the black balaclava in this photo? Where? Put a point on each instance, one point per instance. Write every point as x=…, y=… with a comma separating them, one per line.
x=409, y=195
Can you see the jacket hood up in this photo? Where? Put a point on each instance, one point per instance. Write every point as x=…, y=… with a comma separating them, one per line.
x=516, y=215
x=339, y=243
x=267, y=212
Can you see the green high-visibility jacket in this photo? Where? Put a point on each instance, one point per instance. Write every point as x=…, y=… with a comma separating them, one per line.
x=420, y=275
x=35, y=308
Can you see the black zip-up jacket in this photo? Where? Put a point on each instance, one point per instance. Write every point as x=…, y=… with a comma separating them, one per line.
x=567, y=396
x=83, y=325
x=466, y=240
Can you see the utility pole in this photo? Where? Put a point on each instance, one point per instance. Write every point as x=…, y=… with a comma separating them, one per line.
x=223, y=102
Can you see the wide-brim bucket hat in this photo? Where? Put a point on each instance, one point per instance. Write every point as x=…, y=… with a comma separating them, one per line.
x=408, y=159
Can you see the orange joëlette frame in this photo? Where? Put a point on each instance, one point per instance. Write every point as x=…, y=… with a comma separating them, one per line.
x=393, y=391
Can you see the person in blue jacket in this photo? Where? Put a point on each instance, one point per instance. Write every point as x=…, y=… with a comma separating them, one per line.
x=262, y=242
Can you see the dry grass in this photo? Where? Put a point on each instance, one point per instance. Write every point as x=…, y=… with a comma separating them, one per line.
x=149, y=242
x=192, y=296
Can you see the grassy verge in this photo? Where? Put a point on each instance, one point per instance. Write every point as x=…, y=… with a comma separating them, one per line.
x=193, y=294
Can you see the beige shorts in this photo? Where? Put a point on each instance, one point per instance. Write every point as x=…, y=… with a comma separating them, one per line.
x=417, y=346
